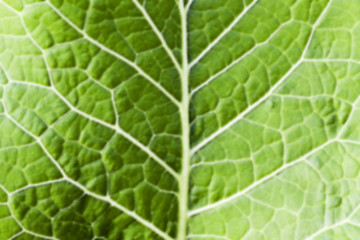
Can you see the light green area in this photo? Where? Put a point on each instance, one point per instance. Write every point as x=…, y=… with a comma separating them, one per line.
x=179, y=119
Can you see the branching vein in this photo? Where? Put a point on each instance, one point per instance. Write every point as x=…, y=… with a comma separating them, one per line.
x=158, y=33
x=226, y=31
x=76, y=110
x=115, y=54
x=268, y=94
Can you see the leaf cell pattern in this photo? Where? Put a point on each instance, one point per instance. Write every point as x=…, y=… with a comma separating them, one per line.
x=179, y=119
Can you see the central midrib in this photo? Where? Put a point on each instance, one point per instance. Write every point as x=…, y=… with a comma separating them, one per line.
x=185, y=125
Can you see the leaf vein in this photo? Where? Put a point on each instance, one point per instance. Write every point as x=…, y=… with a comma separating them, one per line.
x=115, y=54
x=268, y=94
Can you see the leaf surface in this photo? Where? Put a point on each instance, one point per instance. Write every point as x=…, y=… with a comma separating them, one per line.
x=175, y=119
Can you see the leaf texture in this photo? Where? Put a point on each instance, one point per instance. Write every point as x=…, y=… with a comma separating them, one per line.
x=179, y=119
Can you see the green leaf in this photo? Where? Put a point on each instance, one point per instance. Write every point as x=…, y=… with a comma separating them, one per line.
x=179, y=119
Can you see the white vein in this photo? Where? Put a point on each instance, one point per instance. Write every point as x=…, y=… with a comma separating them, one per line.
x=256, y=46
x=74, y=109
x=220, y=162
x=188, y=5
x=30, y=233
x=354, y=106
x=86, y=191
x=116, y=128
x=332, y=226
x=180, y=105
x=16, y=235
x=185, y=125
x=98, y=83
x=269, y=93
x=226, y=31
x=4, y=189
x=207, y=236
x=158, y=33
x=34, y=185
x=16, y=147
x=331, y=60
x=115, y=54
x=24, y=230
x=349, y=141
x=5, y=73
x=115, y=107
x=283, y=167
x=312, y=97
x=259, y=182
